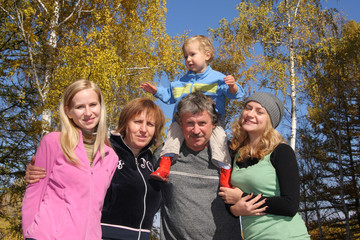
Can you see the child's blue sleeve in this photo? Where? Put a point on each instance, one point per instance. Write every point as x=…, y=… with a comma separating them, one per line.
x=164, y=94
x=239, y=94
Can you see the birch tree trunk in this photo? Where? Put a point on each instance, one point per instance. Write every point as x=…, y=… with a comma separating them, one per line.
x=52, y=43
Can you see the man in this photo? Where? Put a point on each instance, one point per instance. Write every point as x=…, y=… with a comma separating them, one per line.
x=191, y=206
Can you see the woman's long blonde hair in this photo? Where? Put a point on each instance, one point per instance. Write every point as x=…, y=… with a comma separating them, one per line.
x=241, y=141
x=69, y=132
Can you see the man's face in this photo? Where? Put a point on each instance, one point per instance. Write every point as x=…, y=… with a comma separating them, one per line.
x=197, y=129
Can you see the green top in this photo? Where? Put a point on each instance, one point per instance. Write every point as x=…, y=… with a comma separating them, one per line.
x=262, y=178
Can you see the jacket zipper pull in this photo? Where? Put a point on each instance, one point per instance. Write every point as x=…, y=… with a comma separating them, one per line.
x=136, y=162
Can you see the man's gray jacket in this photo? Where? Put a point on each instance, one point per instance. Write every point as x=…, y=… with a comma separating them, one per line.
x=191, y=208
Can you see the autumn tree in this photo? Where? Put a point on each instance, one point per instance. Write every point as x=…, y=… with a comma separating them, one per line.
x=130, y=47
x=265, y=44
x=333, y=73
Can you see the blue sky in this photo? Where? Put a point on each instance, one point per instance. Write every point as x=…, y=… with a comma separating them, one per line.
x=197, y=16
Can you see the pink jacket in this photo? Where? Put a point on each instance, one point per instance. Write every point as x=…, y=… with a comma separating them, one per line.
x=67, y=203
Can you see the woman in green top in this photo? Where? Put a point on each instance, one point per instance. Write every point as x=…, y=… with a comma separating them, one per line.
x=265, y=174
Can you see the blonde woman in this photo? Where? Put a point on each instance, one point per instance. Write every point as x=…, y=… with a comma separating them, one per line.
x=265, y=174
x=79, y=163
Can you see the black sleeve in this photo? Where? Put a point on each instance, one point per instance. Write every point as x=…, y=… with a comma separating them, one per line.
x=284, y=161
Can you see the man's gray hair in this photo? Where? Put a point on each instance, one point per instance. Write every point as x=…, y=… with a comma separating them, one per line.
x=194, y=103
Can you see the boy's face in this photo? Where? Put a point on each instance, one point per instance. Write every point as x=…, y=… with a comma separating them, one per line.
x=196, y=60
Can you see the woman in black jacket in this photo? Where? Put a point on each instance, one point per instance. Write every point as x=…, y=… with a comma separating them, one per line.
x=133, y=198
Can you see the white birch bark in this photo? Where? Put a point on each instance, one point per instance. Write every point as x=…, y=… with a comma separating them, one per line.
x=42, y=83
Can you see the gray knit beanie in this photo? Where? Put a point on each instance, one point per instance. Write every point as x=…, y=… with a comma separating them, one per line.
x=271, y=103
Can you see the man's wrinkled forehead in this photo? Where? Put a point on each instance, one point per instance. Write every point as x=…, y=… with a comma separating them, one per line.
x=187, y=115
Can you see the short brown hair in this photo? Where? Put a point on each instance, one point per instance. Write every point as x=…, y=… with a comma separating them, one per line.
x=136, y=107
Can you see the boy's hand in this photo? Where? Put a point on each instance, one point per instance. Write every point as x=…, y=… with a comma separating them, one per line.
x=147, y=87
x=230, y=81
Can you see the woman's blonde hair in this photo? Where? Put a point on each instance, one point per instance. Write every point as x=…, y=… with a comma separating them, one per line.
x=69, y=137
x=205, y=45
x=135, y=108
x=241, y=141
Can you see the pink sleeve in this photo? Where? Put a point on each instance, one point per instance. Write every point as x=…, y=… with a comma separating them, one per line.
x=45, y=157
x=115, y=163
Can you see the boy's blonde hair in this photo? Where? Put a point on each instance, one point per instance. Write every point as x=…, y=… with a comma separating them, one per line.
x=69, y=136
x=205, y=45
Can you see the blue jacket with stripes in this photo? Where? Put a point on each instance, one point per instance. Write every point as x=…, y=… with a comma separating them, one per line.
x=210, y=82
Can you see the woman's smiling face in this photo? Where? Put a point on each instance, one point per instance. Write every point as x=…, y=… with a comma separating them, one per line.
x=85, y=109
x=254, y=118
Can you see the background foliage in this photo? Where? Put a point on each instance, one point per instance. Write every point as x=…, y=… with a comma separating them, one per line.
x=295, y=49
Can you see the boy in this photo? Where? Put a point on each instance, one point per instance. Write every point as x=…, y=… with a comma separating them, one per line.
x=198, y=53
